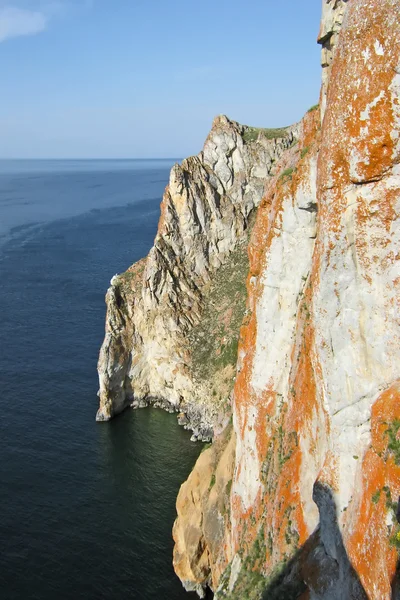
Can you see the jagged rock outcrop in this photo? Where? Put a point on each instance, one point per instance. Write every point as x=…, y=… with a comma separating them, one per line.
x=316, y=403
x=148, y=354
x=333, y=12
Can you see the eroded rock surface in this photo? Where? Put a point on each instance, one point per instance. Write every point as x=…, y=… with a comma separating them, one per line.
x=206, y=213
x=316, y=405
x=297, y=495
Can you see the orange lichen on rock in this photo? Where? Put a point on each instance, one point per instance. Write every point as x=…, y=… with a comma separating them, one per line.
x=271, y=421
x=316, y=401
x=360, y=96
x=372, y=522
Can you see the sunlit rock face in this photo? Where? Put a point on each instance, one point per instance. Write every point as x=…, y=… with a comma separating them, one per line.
x=316, y=404
x=333, y=13
x=206, y=213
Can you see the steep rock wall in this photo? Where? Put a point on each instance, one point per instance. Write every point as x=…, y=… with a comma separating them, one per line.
x=147, y=354
x=356, y=268
x=316, y=410
x=280, y=252
x=333, y=12
x=203, y=503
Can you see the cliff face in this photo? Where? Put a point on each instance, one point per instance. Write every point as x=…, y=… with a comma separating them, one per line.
x=310, y=509
x=291, y=236
x=280, y=252
x=333, y=12
x=158, y=348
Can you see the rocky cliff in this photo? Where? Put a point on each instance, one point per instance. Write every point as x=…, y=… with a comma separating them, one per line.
x=302, y=489
x=173, y=319
x=267, y=313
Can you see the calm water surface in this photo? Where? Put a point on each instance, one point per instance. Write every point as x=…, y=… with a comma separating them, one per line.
x=86, y=508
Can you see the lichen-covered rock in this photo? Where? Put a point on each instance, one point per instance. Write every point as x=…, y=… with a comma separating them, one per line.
x=285, y=223
x=299, y=500
x=333, y=12
x=316, y=404
x=147, y=353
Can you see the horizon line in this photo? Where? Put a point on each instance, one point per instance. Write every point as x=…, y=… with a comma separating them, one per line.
x=91, y=158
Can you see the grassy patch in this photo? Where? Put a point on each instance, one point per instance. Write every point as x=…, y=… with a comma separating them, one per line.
x=313, y=107
x=390, y=505
x=252, y=134
x=395, y=540
x=394, y=441
x=376, y=497
x=131, y=280
x=251, y=584
x=287, y=175
x=305, y=151
x=213, y=342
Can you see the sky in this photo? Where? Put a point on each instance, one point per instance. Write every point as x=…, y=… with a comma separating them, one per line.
x=145, y=78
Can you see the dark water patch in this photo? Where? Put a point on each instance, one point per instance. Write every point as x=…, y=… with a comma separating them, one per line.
x=87, y=508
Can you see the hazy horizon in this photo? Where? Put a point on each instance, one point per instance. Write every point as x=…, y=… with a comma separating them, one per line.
x=88, y=158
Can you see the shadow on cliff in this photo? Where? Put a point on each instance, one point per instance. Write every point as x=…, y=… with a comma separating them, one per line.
x=321, y=565
x=396, y=582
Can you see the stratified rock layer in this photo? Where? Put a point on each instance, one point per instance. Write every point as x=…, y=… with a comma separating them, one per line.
x=316, y=405
x=147, y=355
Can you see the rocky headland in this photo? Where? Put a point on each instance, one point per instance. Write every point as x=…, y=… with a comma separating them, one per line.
x=267, y=314
x=173, y=319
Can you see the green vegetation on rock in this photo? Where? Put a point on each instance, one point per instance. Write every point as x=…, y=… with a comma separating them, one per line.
x=394, y=442
x=252, y=134
x=376, y=497
x=287, y=174
x=213, y=342
x=283, y=583
x=304, y=151
x=130, y=281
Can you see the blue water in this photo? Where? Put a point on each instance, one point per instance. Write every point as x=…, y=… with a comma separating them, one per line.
x=86, y=508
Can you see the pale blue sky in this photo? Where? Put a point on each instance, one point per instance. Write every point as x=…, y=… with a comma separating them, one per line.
x=144, y=78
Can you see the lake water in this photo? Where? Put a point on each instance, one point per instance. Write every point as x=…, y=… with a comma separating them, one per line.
x=86, y=508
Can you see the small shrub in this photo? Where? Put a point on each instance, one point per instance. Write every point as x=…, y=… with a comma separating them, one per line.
x=313, y=107
x=304, y=151
x=287, y=174
x=212, y=481
x=394, y=442
x=395, y=540
x=376, y=496
x=390, y=505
